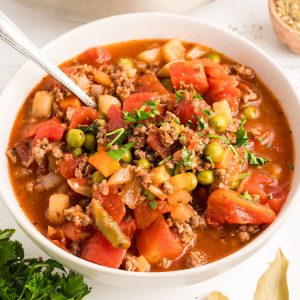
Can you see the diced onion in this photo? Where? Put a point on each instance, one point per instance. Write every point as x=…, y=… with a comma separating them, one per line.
x=150, y=56
x=51, y=180
x=131, y=193
x=157, y=192
x=105, y=102
x=122, y=176
x=82, y=189
x=172, y=50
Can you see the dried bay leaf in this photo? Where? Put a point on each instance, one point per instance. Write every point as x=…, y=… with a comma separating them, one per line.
x=273, y=283
x=216, y=296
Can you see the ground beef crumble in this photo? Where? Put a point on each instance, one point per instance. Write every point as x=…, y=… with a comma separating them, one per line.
x=195, y=258
x=76, y=214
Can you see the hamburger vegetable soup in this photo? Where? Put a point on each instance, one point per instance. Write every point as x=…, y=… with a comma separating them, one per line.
x=186, y=159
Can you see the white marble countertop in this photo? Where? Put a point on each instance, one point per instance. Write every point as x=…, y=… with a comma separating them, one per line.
x=248, y=18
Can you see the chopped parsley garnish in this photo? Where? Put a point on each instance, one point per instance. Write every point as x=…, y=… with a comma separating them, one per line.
x=218, y=137
x=33, y=278
x=260, y=139
x=165, y=160
x=247, y=196
x=255, y=160
x=207, y=112
x=188, y=159
x=93, y=128
x=291, y=166
x=241, y=134
x=176, y=169
x=198, y=96
x=141, y=114
x=231, y=147
x=117, y=154
x=179, y=95
x=153, y=204
x=119, y=132
x=201, y=123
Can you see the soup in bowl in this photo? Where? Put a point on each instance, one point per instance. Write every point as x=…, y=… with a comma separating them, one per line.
x=187, y=158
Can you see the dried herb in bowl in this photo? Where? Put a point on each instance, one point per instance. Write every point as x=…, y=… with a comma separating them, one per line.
x=289, y=12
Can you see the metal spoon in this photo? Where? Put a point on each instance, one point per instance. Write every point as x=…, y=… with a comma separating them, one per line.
x=12, y=35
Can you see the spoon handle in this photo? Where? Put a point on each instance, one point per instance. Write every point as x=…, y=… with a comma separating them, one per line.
x=12, y=35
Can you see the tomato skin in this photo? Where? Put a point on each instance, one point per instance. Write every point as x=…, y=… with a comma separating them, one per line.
x=98, y=249
x=150, y=84
x=128, y=226
x=144, y=215
x=96, y=55
x=154, y=141
x=226, y=206
x=189, y=73
x=158, y=241
x=112, y=203
x=67, y=167
x=73, y=232
x=135, y=101
x=115, y=119
x=83, y=116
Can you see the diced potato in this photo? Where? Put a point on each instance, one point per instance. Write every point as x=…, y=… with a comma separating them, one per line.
x=180, y=182
x=172, y=50
x=160, y=175
x=102, y=78
x=142, y=264
x=196, y=52
x=165, y=70
x=104, y=163
x=42, y=104
x=157, y=192
x=128, y=66
x=150, y=56
x=57, y=204
x=180, y=196
x=182, y=212
x=222, y=108
x=105, y=102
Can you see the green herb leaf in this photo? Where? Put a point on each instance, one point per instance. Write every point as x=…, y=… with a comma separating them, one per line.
x=117, y=154
x=93, y=128
x=188, y=158
x=247, y=196
x=255, y=160
x=162, y=162
x=201, y=123
x=198, y=96
x=179, y=95
x=153, y=204
x=207, y=112
x=140, y=114
x=241, y=134
x=119, y=132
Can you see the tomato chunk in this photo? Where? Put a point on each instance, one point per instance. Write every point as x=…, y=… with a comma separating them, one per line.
x=83, y=116
x=73, y=232
x=98, y=249
x=154, y=141
x=115, y=119
x=189, y=73
x=144, y=215
x=112, y=203
x=96, y=55
x=135, y=101
x=67, y=167
x=225, y=206
x=128, y=226
x=150, y=84
x=158, y=241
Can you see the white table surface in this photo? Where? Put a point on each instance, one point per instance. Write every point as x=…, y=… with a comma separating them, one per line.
x=246, y=17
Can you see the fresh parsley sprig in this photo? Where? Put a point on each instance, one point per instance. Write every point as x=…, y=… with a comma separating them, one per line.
x=255, y=160
x=34, y=278
x=117, y=154
x=93, y=128
x=119, y=132
x=241, y=134
x=141, y=114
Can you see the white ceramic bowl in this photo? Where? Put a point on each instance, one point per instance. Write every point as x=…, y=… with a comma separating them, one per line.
x=143, y=26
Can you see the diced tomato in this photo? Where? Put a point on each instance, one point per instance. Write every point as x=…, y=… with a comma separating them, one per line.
x=213, y=69
x=128, y=226
x=96, y=55
x=136, y=101
x=154, y=141
x=226, y=206
x=67, y=167
x=150, y=84
x=33, y=131
x=191, y=110
x=115, y=119
x=73, y=232
x=158, y=241
x=144, y=215
x=189, y=73
x=263, y=184
x=99, y=250
x=83, y=116
x=112, y=203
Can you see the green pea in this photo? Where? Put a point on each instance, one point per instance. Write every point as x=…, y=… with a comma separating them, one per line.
x=143, y=162
x=251, y=112
x=89, y=142
x=218, y=122
x=214, y=57
x=127, y=156
x=193, y=181
x=214, y=151
x=97, y=177
x=206, y=177
x=167, y=84
x=75, y=138
x=148, y=195
x=77, y=152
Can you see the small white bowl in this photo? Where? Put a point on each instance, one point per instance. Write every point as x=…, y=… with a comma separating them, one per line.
x=146, y=26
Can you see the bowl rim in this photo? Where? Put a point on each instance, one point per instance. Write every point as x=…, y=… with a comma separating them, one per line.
x=222, y=264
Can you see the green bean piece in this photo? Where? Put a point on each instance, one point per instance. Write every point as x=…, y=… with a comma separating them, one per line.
x=108, y=226
x=75, y=138
x=90, y=142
